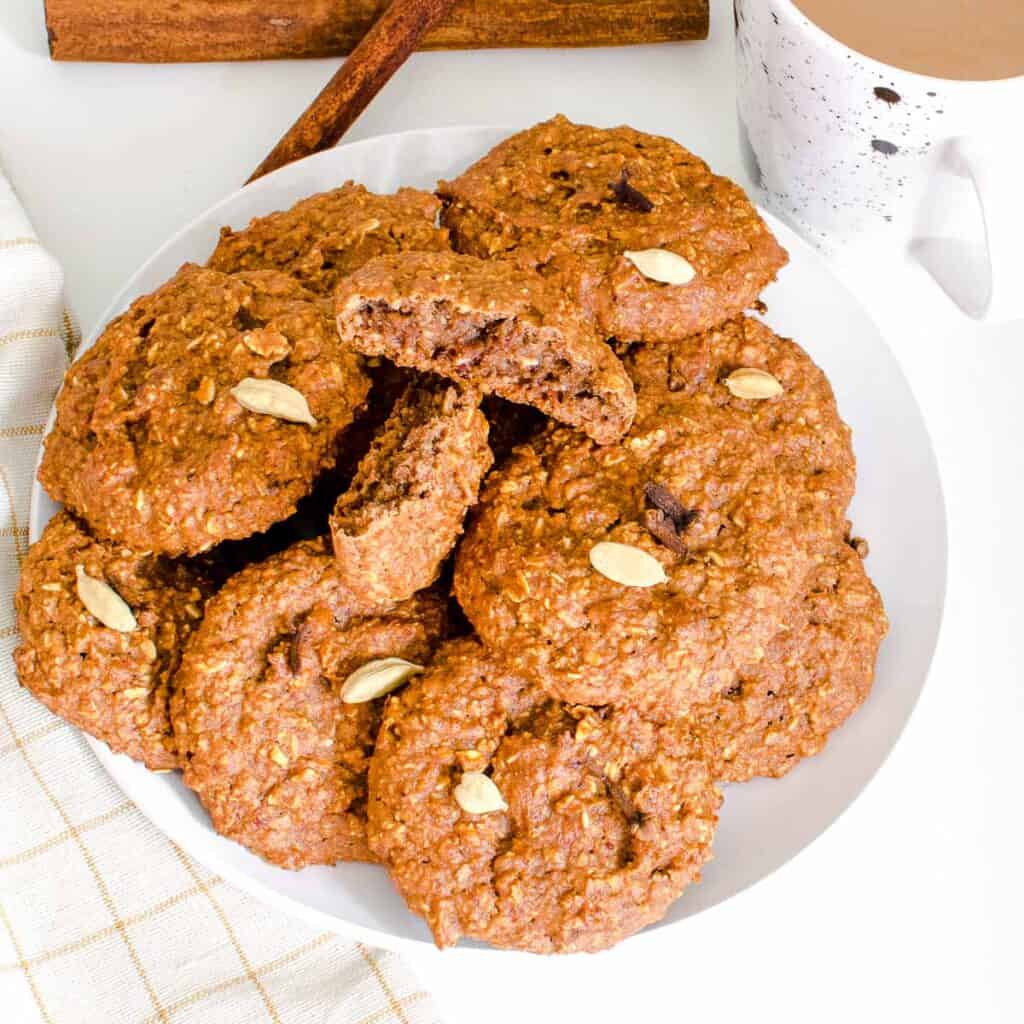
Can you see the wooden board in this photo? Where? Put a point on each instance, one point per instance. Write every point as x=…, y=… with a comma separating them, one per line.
x=158, y=31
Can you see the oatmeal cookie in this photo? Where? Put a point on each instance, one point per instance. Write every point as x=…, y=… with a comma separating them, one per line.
x=599, y=819
x=152, y=447
x=325, y=237
x=313, y=510
x=571, y=200
x=113, y=684
x=403, y=512
x=488, y=326
x=276, y=756
x=726, y=502
x=814, y=674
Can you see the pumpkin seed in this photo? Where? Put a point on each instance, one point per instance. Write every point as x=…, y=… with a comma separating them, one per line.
x=103, y=602
x=476, y=793
x=273, y=398
x=662, y=265
x=376, y=678
x=626, y=564
x=748, y=382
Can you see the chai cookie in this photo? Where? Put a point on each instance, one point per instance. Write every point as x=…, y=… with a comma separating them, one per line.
x=645, y=573
x=102, y=631
x=202, y=414
x=505, y=816
x=403, y=511
x=580, y=203
x=272, y=747
x=814, y=674
x=325, y=237
x=491, y=327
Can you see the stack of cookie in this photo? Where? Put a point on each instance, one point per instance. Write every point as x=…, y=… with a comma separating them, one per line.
x=485, y=551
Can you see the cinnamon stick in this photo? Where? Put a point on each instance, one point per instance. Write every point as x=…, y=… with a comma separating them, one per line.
x=378, y=56
x=160, y=31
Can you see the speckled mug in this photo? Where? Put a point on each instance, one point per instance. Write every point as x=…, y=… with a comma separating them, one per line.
x=857, y=153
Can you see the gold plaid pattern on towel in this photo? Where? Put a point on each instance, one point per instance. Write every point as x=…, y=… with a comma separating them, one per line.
x=101, y=917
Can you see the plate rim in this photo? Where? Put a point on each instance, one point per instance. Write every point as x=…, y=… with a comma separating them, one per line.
x=294, y=907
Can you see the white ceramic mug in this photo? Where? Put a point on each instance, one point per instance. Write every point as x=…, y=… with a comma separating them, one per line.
x=854, y=152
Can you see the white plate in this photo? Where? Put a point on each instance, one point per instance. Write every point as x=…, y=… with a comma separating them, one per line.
x=899, y=507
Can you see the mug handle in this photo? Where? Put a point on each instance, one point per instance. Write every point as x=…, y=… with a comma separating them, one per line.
x=983, y=280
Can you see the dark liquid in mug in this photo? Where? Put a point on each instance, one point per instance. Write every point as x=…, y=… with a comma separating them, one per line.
x=975, y=40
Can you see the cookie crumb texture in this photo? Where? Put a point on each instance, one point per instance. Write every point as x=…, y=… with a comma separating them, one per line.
x=149, y=445
x=323, y=238
x=610, y=817
x=403, y=512
x=488, y=326
x=551, y=198
x=114, y=686
x=275, y=756
x=815, y=673
x=769, y=482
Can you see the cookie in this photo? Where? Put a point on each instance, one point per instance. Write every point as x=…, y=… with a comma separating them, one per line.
x=814, y=674
x=274, y=753
x=721, y=506
x=152, y=445
x=491, y=327
x=114, y=684
x=571, y=201
x=403, y=512
x=505, y=816
x=325, y=237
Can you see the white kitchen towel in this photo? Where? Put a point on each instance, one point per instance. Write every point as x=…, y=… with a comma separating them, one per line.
x=102, y=919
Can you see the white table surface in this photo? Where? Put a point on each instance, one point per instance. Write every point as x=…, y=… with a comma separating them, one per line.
x=910, y=907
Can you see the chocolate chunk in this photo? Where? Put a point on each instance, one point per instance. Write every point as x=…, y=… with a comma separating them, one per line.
x=629, y=196
x=662, y=528
x=668, y=518
x=661, y=498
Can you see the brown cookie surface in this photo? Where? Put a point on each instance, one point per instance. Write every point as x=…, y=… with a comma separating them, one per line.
x=570, y=200
x=606, y=817
x=730, y=499
x=489, y=326
x=403, y=512
x=814, y=674
x=277, y=758
x=325, y=237
x=113, y=685
x=151, y=447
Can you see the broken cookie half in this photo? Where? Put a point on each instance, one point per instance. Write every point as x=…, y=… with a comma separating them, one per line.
x=490, y=326
x=403, y=511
